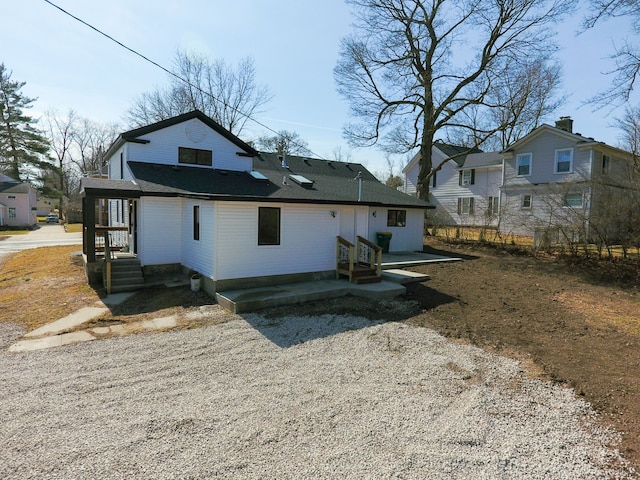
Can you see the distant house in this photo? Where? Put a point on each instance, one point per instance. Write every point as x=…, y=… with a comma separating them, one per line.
x=557, y=183
x=553, y=184
x=186, y=193
x=466, y=188
x=17, y=203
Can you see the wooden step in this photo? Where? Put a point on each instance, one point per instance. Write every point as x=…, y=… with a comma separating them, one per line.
x=367, y=279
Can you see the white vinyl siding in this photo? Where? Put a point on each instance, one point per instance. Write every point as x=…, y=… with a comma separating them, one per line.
x=407, y=238
x=163, y=147
x=198, y=255
x=307, y=243
x=160, y=231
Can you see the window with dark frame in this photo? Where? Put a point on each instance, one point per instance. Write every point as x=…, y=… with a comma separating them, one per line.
x=494, y=206
x=193, y=156
x=467, y=177
x=396, y=218
x=606, y=161
x=268, y=226
x=465, y=205
x=196, y=222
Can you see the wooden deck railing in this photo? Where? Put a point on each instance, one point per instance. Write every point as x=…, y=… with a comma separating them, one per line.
x=344, y=258
x=369, y=254
x=363, y=254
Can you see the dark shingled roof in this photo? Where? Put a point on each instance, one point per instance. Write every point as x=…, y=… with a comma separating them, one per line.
x=453, y=150
x=14, y=187
x=332, y=182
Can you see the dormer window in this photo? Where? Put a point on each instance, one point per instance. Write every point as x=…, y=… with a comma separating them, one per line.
x=194, y=156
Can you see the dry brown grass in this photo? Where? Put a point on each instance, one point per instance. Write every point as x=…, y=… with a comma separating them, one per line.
x=42, y=285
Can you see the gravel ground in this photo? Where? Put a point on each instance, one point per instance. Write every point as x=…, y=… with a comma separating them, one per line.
x=322, y=397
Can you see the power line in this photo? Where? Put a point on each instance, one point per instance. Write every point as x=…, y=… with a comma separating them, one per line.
x=166, y=70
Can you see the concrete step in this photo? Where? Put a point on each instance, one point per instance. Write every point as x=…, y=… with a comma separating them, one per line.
x=404, y=277
x=251, y=299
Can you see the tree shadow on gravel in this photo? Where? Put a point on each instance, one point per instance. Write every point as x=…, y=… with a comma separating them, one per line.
x=291, y=325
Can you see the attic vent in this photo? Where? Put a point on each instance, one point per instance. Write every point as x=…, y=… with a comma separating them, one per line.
x=258, y=176
x=301, y=180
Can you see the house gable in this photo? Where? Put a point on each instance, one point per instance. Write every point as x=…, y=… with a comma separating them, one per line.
x=177, y=141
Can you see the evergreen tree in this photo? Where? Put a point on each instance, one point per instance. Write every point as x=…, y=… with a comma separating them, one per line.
x=23, y=148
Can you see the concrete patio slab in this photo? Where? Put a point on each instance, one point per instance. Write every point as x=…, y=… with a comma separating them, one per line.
x=70, y=321
x=52, y=341
x=412, y=259
x=250, y=299
x=403, y=276
x=124, y=329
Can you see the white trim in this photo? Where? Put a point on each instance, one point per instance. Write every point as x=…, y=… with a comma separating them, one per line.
x=555, y=161
x=522, y=197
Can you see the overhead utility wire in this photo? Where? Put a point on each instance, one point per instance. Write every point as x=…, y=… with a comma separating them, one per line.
x=166, y=70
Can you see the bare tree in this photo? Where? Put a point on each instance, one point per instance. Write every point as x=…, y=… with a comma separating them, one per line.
x=230, y=95
x=521, y=99
x=60, y=130
x=409, y=75
x=285, y=142
x=626, y=55
x=341, y=155
x=91, y=142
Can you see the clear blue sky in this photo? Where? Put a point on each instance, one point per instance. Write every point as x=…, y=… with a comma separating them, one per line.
x=294, y=45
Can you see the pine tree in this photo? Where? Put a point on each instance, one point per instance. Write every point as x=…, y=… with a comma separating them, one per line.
x=23, y=148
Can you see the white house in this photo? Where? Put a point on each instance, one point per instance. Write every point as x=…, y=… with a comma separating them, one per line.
x=552, y=184
x=465, y=189
x=560, y=184
x=17, y=203
x=186, y=192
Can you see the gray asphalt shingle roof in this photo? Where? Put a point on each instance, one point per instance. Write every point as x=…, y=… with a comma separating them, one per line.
x=332, y=182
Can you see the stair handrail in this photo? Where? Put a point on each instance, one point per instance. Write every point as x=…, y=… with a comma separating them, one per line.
x=374, y=263
x=341, y=244
x=107, y=259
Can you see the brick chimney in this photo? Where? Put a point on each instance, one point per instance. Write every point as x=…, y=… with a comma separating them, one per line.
x=565, y=123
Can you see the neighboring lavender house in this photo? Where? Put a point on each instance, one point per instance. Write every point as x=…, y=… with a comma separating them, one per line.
x=17, y=203
x=185, y=192
x=560, y=185
x=466, y=189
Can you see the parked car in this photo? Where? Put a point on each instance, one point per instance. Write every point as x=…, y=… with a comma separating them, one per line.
x=53, y=218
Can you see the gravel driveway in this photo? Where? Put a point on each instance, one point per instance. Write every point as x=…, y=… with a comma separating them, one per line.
x=324, y=397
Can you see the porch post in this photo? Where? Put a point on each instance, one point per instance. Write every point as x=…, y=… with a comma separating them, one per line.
x=89, y=227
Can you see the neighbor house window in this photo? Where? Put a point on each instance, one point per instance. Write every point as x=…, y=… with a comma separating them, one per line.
x=523, y=164
x=465, y=205
x=493, y=206
x=606, y=164
x=526, y=201
x=12, y=212
x=396, y=218
x=432, y=180
x=268, y=226
x=121, y=165
x=196, y=222
x=194, y=156
x=467, y=177
x=564, y=160
x=573, y=200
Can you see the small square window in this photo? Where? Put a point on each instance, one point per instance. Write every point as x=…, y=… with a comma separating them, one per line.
x=396, y=218
x=526, y=201
x=523, y=165
x=573, y=200
x=564, y=160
